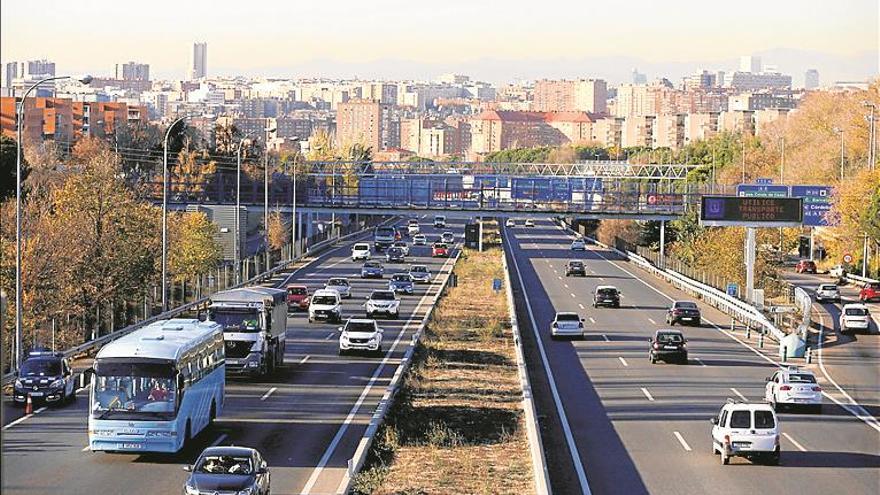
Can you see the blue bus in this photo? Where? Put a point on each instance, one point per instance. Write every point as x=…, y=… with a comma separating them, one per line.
x=157, y=387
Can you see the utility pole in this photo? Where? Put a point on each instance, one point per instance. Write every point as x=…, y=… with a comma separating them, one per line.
x=838, y=130
x=744, y=158
x=871, y=138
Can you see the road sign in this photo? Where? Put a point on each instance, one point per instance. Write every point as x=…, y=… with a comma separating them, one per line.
x=496, y=284
x=761, y=191
x=847, y=258
x=732, y=289
x=817, y=202
x=764, y=181
x=733, y=211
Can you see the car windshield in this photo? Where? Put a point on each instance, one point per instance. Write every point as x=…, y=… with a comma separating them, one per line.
x=225, y=464
x=400, y=243
x=440, y=245
x=361, y=247
x=828, y=287
x=384, y=295
x=801, y=378
x=41, y=367
x=856, y=312
x=575, y=264
x=740, y=419
x=395, y=252
x=419, y=237
x=400, y=278
x=296, y=291
x=339, y=282
x=360, y=326
x=236, y=320
x=419, y=269
x=567, y=317
x=607, y=291
x=872, y=286
x=325, y=300
x=686, y=305
x=385, y=231
x=764, y=420
x=670, y=338
x=372, y=264
x=134, y=391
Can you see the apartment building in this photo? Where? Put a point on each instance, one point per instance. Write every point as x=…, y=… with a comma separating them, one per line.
x=366, y=122
x=65, y=120
x=495, y=130
x=582, y=95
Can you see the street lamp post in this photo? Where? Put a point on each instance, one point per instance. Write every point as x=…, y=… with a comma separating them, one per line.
x=871, y=138
x=838, y=130
x=237, y=246
x=18, y=153
x=269, y=130
x=295, y=139
x=165, y=216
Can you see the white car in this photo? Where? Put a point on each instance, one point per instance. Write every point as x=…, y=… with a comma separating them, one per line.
x=383, y=302
x=854, y=316
x=567, y=324
x=447, y=238
x=827, y=292
x=510, y=223
x=340, y=285
x=440, y=221
x=325, y=305
x=360, y=252
x=420, y=274
x=793, y=387
x=420, y=240
x=403, y=246
x=413, y=227
x=743, y=429
x=578, y=245
x=529, y=222
x=360, y=335
x=836, y=271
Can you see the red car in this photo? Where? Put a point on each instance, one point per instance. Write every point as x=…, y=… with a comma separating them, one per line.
x=805, y=266
x=870, y=292
x=440, y=250
x=297, y=297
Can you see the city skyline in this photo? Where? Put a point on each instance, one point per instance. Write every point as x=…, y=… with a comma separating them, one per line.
x=841, y=45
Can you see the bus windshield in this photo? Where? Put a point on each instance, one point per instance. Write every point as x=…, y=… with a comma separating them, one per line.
x=134, y=391
x=236, y=320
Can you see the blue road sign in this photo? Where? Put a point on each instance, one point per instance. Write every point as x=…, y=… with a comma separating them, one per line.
x=496, y=284
x=817, y=202
x=764, y=181
x=761, y=191
x=732, y=289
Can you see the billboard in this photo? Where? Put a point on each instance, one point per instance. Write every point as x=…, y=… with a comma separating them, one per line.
x=817, y=203
x=761, y=190
x=720, y=211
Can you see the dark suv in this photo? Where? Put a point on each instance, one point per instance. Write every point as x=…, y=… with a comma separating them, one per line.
x=606, y=295
x=668, y=346
x=683, y=312
x=575, y=268
x=46, y=377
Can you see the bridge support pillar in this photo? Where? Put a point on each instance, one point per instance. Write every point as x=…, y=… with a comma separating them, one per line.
x=812, y=246
x=749, y=256
x=480, y=235
x=662, y=244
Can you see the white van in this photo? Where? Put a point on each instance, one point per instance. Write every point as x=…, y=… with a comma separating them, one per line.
x=360, y=251
x=440, y=221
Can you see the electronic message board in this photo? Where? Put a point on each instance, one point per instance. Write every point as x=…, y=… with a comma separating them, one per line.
x=720, y=211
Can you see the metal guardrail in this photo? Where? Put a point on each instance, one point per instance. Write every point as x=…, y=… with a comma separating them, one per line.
x=363, y=449
x=735, y=308
x=533, y=428
x=857, y=278
x=101, y=341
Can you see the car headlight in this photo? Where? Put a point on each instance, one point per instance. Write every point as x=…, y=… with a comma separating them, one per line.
x=18, y=383
x=190, y=490
x=57, y=383
x=247, y=491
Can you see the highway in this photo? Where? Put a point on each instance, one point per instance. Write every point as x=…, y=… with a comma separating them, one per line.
x=630, y=427
x=307, y=419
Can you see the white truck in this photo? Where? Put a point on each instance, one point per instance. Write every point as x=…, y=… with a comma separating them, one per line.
x=254, y=321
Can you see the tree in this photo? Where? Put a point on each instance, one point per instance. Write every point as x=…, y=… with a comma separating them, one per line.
x=191, y=172
x=140, y=146
x=321, y=148
x=278, y=235
x=8, y=152
x=193, y=246
x=225, y=139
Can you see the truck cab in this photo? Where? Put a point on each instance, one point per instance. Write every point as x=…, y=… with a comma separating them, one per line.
x=254, y=321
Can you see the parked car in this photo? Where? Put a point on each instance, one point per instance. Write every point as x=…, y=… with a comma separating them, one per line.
x=401, y=283
x=566, y=324
x=440, y=221
x=606, y=295
x=340, y=285
x=420, y=240
x=854, y=317
x=325, y=305
x=827, y=292
x=297, y=297
x=743, y=429
x=360, y=251
x=382, y=302
x=578, y=245
x=683, y=312
x=372, y=269
x=793, y=387
x=395, y=255
x=420, y=274
x=805, y=266
x=439, y=250
x=510, y=223
x=228, y=470
x=575, y=268
x=668, y=346
x=360, y=335
x=870, y=292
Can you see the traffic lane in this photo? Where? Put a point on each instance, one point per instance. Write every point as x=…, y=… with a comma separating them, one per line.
x=711, y=407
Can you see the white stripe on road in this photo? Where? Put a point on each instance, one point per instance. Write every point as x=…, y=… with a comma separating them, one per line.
x=85, y=449
x=270, y=392
x=592, y=320
x=26, y=416
x=581, y=306
x=700, y=361
x=605, y=336
x=741, y=396
x=572, y=295
x=794, y=442
x=648, y=394
x=623, y=362
x=652, y=321
x=566, y=285
x=559, y=277
x=219, y=439
x=303, y=361
x=681, y=441
x=329, y=336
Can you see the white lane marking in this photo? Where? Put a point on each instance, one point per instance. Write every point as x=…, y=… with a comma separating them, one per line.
x=605, y=336
x=680, y=438
x=602, y=279
x=581, y=306
x=623, y=362
x=25, y=417
x=652, y=321
x=219, y=440
x=328, y=453
x=566, y=285
x=648, y=394
x=738, y=394
x=574, y=296
x=85, y=449
x=700, y=361
x=592, y=320
x=794, y=442
x=563, y=418
x=303, y=360
x=854, y=408
x=329, y=336
x=559, y=277
x=270, y=392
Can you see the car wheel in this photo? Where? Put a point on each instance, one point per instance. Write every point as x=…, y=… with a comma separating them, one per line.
x=671, y=323
x=341, y=352
x=775, y=457
x=652, y=359
x=683, y=360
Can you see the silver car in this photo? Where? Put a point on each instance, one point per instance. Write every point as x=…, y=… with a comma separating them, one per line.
x=340, y=285
x=420, y=274
x=567, y=324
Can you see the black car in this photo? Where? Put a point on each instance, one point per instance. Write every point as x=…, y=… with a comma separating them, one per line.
x=684, y=312
x=668, y=346
x=228, y=470
x=575, y=268
x=46, y=377
x=606, y=295
x=395, y=255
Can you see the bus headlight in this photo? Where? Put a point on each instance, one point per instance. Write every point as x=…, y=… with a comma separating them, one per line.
x=101, y=433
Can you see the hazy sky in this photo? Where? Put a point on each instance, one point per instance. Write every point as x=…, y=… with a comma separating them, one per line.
x=265, y=36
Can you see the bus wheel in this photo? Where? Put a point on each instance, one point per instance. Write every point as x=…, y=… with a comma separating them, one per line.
x=187, y=436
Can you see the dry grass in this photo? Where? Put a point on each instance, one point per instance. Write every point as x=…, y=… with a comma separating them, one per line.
x=456, y=425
